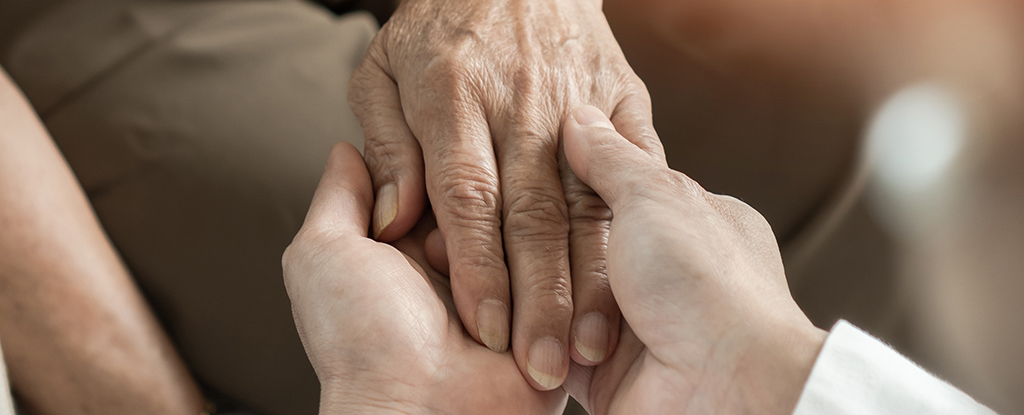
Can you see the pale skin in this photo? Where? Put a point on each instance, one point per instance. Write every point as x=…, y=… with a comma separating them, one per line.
x=709, y=322
x=78, y=338
x=411, y=353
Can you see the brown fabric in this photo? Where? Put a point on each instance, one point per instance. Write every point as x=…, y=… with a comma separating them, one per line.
x=16, y=15
x=199, y=130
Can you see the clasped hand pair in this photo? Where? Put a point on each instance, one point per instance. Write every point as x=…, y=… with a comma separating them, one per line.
x=709, y=325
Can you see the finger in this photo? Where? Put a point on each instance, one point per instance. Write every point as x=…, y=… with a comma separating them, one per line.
x=606, y=161
x=596, y=315
x=588, y=384
x=437, y=254
x=344, y=196
x=536, y=232
x=392, y=153
x=633, y=119
x=595, y=324
x=463, y=189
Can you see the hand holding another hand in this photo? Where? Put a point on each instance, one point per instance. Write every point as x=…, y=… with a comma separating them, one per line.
x=709, y=323
x=379, y=324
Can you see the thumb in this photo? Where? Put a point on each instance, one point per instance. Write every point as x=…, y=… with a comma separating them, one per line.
x=604, y=159
x=344, y=198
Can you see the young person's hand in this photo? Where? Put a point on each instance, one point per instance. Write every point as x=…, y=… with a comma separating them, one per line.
x=710, y=323
x=379, y=326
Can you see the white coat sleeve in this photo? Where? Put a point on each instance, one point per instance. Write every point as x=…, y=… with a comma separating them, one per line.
x=858, y=374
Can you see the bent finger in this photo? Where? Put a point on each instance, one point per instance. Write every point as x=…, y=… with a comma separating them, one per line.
x=633, y=119
x=392, y=153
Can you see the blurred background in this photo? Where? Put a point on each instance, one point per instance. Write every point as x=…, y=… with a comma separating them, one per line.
x=881, y=139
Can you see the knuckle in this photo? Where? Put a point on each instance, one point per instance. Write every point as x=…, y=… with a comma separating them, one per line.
x=450, y=71
x=361, y=85
x=310, y=246
x=682, y=185
x=638, y=89
x=536, y=214
x=586, y=205
x=448, y=85
x=470, y=195
x=483, y=259
x=741, y=215
x=289, y=257
x=386, y=158
x=529, y=76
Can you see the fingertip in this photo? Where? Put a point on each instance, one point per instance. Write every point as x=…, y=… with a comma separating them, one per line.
x=493, y=325
x=385, y=209
x=397, y=209
x=591, y=116
x=619, y=164
x=546, y=363
x=345, y=168
x=345, y=194
x=576, y=137
x=345, y=163
x=591, y=339
x=437, y=253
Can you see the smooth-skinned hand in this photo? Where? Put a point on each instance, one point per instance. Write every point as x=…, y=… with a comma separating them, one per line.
x=461, y=103
x=379, y=325
x=710, y=325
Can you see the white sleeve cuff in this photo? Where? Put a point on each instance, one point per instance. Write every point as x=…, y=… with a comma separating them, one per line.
x=858, y=374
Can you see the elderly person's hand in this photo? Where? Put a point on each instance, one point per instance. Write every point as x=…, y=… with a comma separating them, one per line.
x=710, y=324
x=380, y=329
x=462, y=102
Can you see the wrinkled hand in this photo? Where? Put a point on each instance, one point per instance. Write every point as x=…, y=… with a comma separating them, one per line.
x=380, y=328
x=710, y=323
x=462, y=101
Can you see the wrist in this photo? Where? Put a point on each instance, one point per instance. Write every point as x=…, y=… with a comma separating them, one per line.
x=341, y=398
x=770, y=377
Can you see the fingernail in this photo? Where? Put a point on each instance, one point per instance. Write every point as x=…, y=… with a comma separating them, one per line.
x=544, y=362
x=591, y=116
x=492, y=321
x=592, y=337
x=386, y=208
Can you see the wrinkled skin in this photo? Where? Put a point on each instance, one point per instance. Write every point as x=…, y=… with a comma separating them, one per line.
x=461, y=103
x=710, y=325
x=380, y=328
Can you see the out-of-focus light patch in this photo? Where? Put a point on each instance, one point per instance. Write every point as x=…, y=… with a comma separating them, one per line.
x=912, y=143
x=914, y=138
